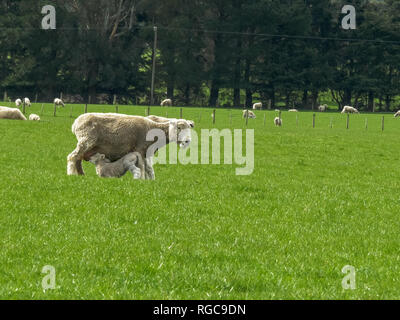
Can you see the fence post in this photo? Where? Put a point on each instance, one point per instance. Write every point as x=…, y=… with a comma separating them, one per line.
x=265, y=118
x=55, y=110
x=5, y=96
x=23, y=107
x=213, y=116
x=247, y=117
x=70, y=110
x=313, y=120
x=366, y=123
x=199, y=116
x=41, y=111
x=181, y=113
x=86, y=107
x=348, y=121
x=148, y=110
x=383, y=123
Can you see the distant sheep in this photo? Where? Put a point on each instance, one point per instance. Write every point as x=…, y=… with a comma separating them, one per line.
x=58, y=102
x=11, y=113
x=132, y=162
x=397, y=114
x=293, y=110
x=34, y=117
x=251, y=114
x=257, y=105
x=323, y=108
x=348, y=109
x=277, y=110
x=27, y=102
x=278, y=122
x=166, y=102
x=18, y=103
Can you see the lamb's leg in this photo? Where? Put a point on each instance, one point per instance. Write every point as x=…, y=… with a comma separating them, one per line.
x=74, y=165
x=149, y=171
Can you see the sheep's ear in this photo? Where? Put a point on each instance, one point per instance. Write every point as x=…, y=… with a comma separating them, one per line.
x=191, y=123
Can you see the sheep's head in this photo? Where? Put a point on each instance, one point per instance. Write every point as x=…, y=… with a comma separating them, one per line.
x=96, y=158
x=180, y=132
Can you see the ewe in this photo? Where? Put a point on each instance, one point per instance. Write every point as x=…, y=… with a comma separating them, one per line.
x=11, y=113
x=257, y=105
x=58, y=102
x=18, y=103
x=27, y=102
x=116, y=135
x=348, y=109
x=132, y=162
x=397, y=114
x=166, y=102
x=250, y=114
x=323, y=108
x=278, y=122
x=34, y=117
x=293, y=110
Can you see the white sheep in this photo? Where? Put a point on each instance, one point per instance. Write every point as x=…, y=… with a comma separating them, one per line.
x=278, y=122
x=34, y=117
x=27, y=102
x=348, y=109
x=293, y=110
x=257, y=105
x=277, y=110
x=248, y=113
x=58, y=102
x=132, y=162
x=18, y=103
x=397, y=114
x=166, y=102
x=11, y=113
x=323, y=108
x=116, y=135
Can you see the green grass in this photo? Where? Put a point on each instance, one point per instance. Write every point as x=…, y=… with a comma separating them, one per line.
x=319, y=199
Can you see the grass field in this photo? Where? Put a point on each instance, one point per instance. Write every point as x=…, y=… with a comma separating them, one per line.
x=319, y=199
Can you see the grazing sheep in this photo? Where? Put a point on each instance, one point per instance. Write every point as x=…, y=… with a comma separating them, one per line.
x=348, y=109
x=27, y=102
x=277, y=110
x=397, y=114
x=166, y=102
x=58, y=102
x=278, y=122
x=116, y=135
x=293, y=110
x=132, y=162
x=18, y=103
x=34, y=117
x=257, y=105
x=251, y=114
x=323, y=108
x=11, y=113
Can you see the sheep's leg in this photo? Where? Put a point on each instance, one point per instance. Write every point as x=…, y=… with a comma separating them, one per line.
x=149, y=171
x=74, y=165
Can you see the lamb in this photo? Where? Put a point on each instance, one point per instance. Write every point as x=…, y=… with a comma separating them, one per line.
x=251, y=114
x=257, y=105
x=278, y=122
x=397, y=114
x=323, y=108
x=58, y=102
x=27, y=102
x=18, y=103
x=293, y=110
x=348, y=109
x=166, y=102
x=132, y=162
x=116, y=135
x=34, y=117
x=11, y=113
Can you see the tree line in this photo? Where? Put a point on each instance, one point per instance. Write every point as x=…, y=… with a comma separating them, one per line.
x=209, y=52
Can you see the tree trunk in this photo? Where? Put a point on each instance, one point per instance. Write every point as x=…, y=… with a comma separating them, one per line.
x=214, y=93
x=314, y=97
x=170, y=88
x=305, y=99
x=371, y=101
x=249, y=93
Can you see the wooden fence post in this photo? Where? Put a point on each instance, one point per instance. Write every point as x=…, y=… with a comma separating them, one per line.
x=181, y=114
x=55, y=110
x=265, y=118
x=313, y=120
x=213, y=116
x=41, y=110
x=383, y=123
x=86, y=107
x=366, y=123
x=23, y=107
x=247, y=117
x=348, y=121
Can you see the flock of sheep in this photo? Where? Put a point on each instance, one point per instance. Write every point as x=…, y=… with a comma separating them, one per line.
x=16, y=114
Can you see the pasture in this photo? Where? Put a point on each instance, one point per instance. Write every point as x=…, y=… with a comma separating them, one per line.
x=318, y=199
